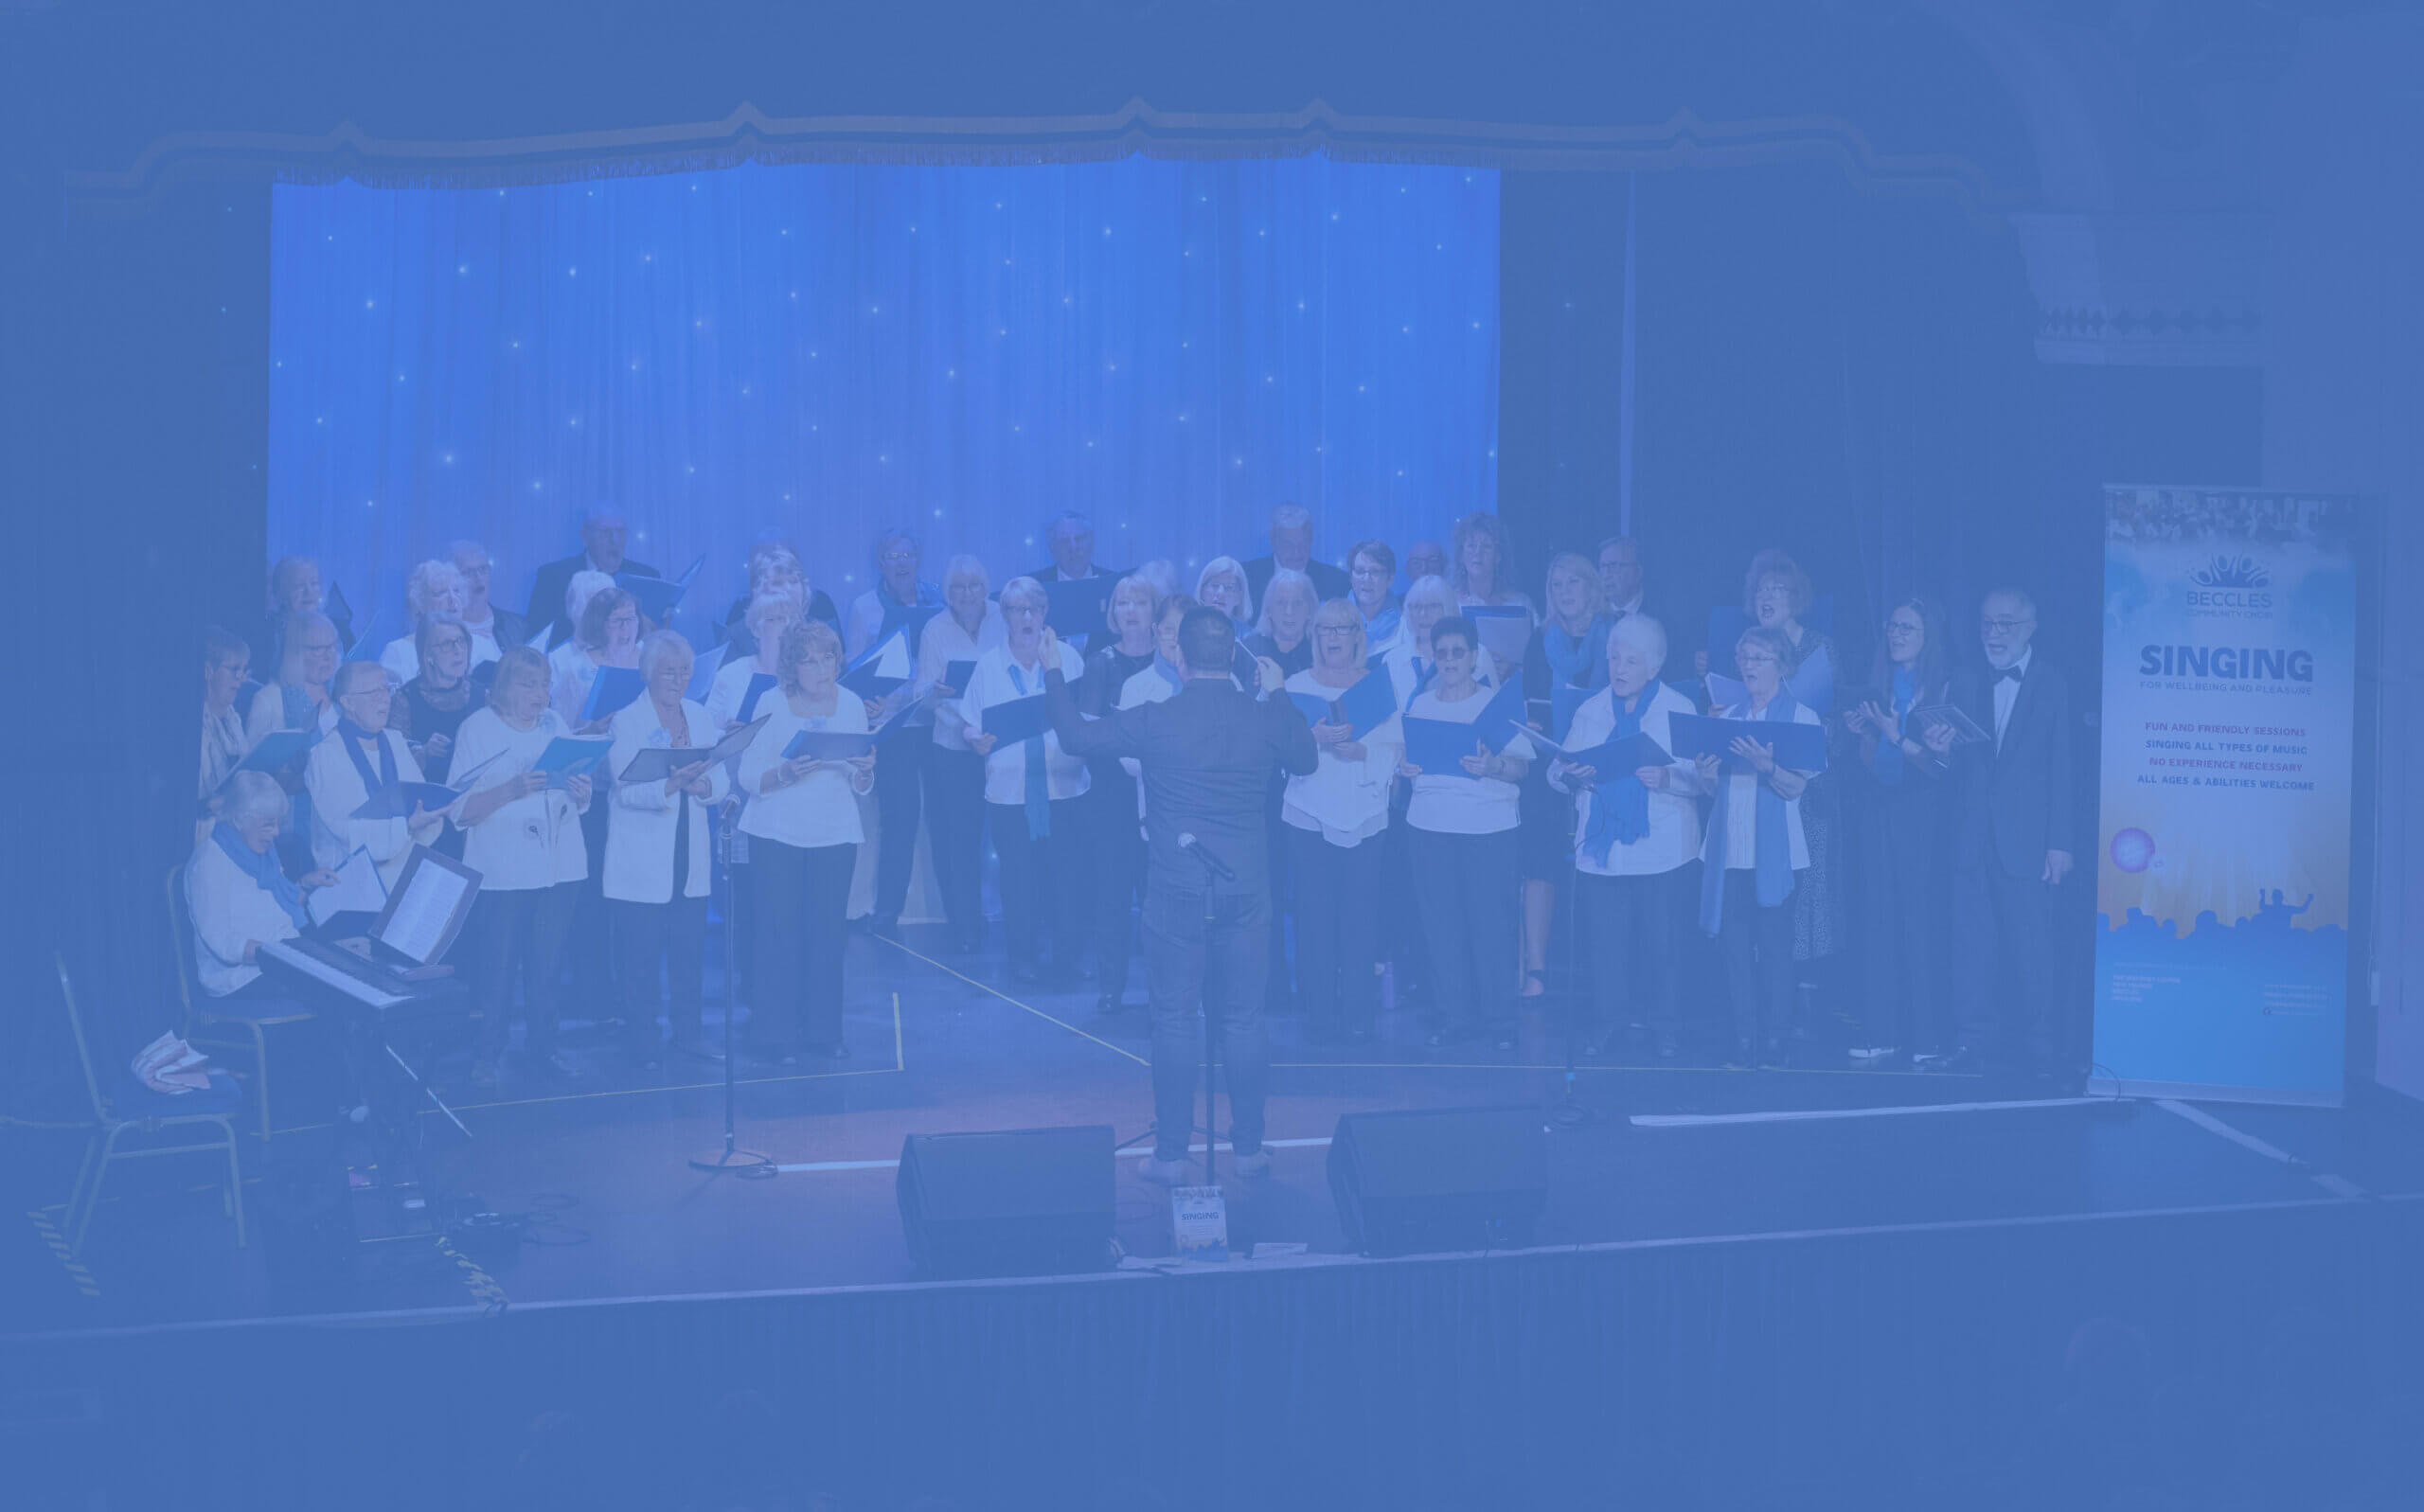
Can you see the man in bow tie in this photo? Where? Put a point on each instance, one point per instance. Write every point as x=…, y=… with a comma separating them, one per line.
x=2012, y=848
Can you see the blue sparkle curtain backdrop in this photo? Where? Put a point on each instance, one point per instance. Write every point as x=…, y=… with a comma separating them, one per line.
x=818, y=350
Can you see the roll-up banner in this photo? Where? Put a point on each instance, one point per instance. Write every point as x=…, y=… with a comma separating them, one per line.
x=2222, y=866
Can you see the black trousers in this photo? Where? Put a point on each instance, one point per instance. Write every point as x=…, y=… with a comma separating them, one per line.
x=523, y=935
x=1043, y=880
x=1338, y=916
x=803, y=927
x=671, y=938
x=1182, y=951
x=1463, y=886
x=1401, y=942
x=1631, y=922
x=956, y=827
x=1757, y=943
x=2004, y=927
x=900, y=788
x=1904, y=882
x=593, y=959
x=1119, y=876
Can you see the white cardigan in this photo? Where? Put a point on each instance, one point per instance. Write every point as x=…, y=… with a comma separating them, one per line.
x=1345, y=801
x=337, y=791
x=530, y=841
x=228, y=908
x=639, y=842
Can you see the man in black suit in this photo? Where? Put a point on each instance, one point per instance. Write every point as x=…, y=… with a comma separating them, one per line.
x=2013, y=834
x=1291, y=545
x=1626, y=583
x=1209, y=757
x=603, y=534
x=1072, y=540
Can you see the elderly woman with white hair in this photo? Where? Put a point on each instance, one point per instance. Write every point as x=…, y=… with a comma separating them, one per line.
x=360, y=758
x=1222, y=585
x=803, y=824
x=1031, y=793
x=523, y=835
x=239, y=898
x=434, y=588
x=968, y=626
x=1333, y=821
x=1635, y=838
x=657, y=866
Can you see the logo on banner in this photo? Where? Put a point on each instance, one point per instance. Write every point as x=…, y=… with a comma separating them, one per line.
x=2231, y=588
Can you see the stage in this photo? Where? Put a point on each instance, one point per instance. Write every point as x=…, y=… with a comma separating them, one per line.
x=1915, y=1197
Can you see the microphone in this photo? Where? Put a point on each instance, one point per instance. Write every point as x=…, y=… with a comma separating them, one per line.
x=1186, y=842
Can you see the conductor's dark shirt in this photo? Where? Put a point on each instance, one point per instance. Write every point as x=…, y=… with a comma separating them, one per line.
x=1209, y=754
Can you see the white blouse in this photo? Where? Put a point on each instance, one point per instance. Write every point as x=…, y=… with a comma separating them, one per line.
x=942, y=643
x=533, y=841
x=823, y=810
x=268, y=715
x=228, y=908
x=337, y=790
x=1345, y=801
x=1674, y=835
x=639, y=842
x=1740, y=793
x=1065, y=776
x=1463, y=805
x=730, y=686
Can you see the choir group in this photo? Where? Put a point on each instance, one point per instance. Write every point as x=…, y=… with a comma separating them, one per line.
x=1482, y=754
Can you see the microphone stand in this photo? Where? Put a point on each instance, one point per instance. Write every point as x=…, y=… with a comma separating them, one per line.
x=747, y=1162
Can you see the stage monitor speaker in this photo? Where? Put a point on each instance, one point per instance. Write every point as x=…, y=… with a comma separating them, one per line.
x=1428, y=1179
x=1023, y=1202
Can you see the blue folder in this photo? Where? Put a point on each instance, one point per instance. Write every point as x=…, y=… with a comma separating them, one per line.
x=278, y=748
x=1368, y=704
x=867, y=678
x=828, y=745
x=1078, y=608
x=612, y=691
x=955, y=676
x=1438, y=746
x=702, y=672
x=658, y=597
x=1316, y=710
x=398, y=800
x=1798, y=746
x=1019, y=720
x=1619, y=758
x=568, y=757
x=910, y=620
x=1502, y=717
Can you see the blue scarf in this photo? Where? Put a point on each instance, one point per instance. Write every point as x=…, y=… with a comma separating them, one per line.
x=1619, y=808
x=1889, y=742
x=1573, y=663
x=261, y=867
x=1384, y=624
x=1167, y=671
x=1039, y=792
x=350, y=736
x=1772, y=858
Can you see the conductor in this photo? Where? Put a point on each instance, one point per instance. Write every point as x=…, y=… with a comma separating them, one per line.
x=1209, y=757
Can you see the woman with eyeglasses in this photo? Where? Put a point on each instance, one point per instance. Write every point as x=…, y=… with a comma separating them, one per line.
x=803, y=820
x=361, y=757
x=1566, y=662
x=1778, y=595
x=1111, y=803
x=1333, y=821
x=1462, y=852
x=1906, y=872
x=1755, y=854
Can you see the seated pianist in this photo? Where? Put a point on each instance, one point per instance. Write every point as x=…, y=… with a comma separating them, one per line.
x=239, y=900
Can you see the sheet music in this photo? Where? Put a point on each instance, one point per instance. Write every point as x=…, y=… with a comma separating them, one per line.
x=358, y=890
x=423, y=912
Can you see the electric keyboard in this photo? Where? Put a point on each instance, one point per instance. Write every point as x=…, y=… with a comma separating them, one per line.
x=366, y=984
